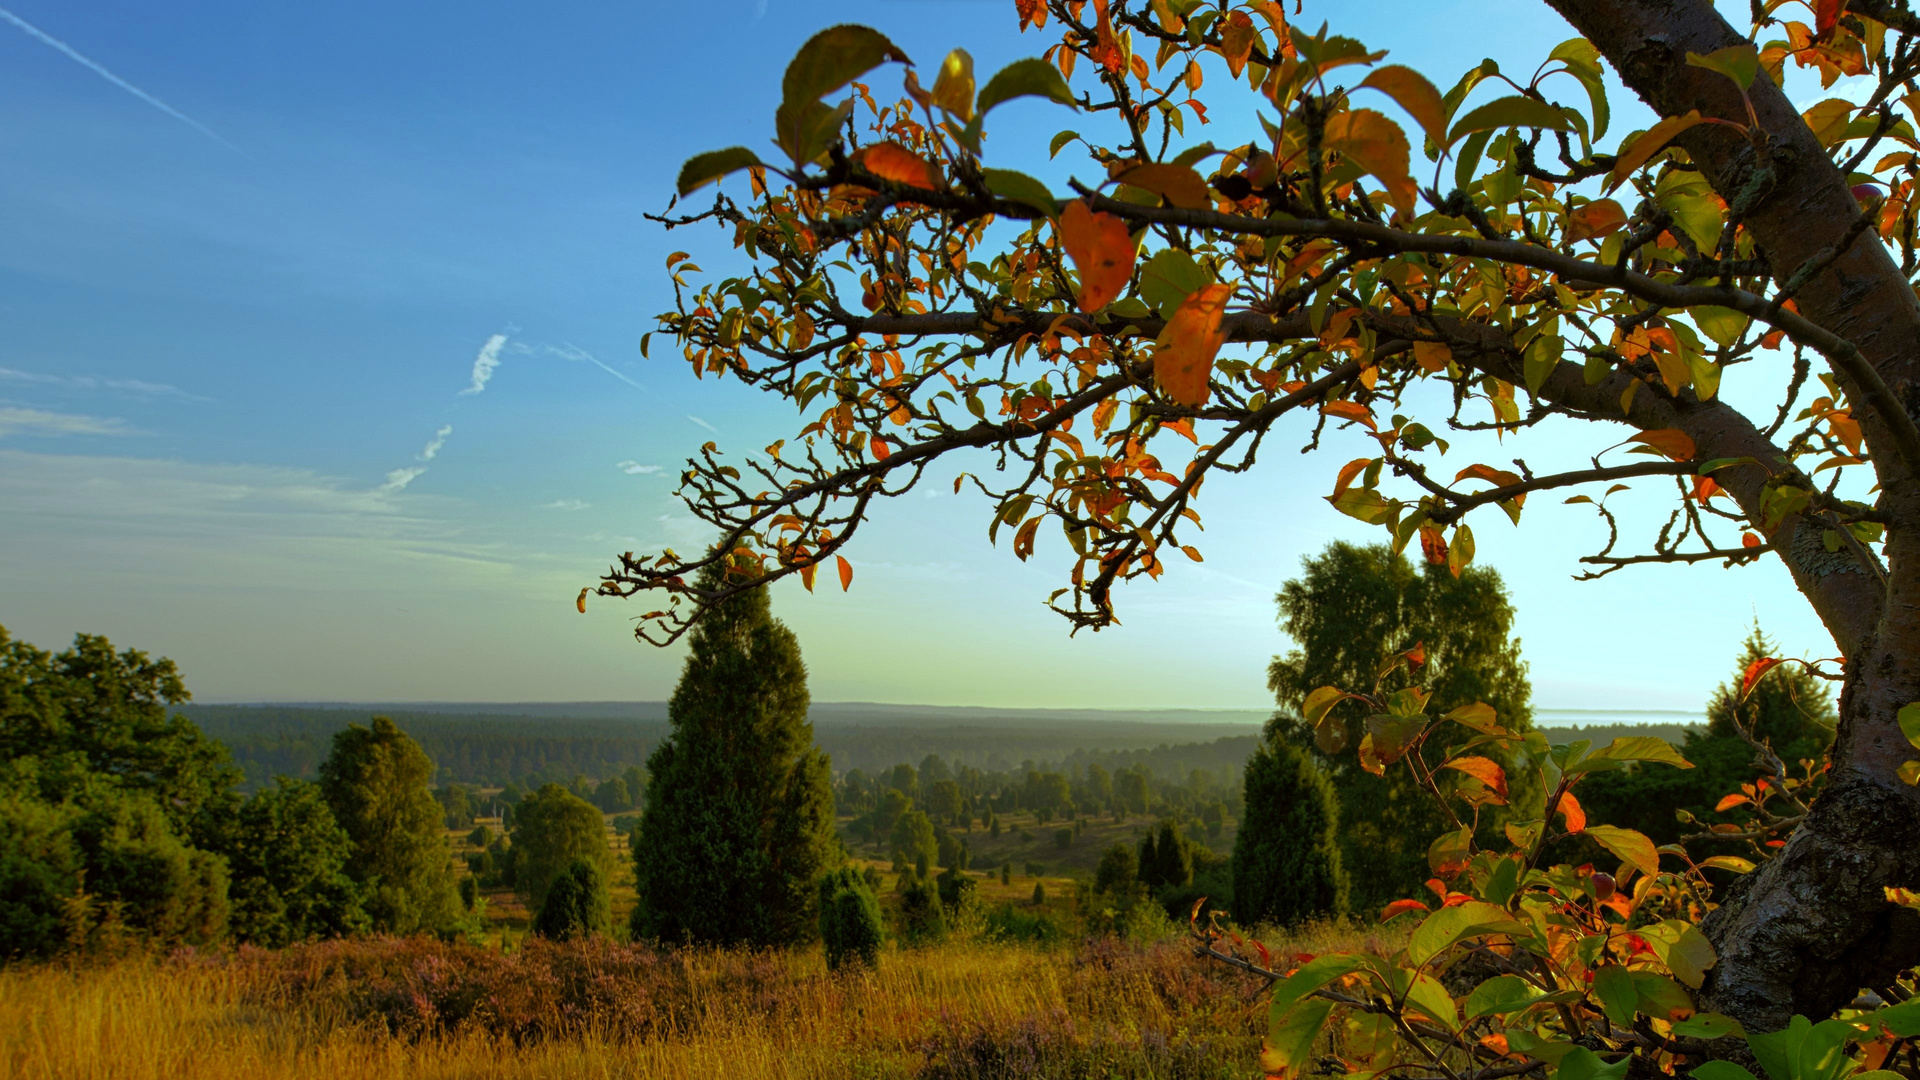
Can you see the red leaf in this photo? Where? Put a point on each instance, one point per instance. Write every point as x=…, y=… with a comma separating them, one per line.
x=1728, y=802
x=1400, y=907
x=1826, y=14
x=1755, y=671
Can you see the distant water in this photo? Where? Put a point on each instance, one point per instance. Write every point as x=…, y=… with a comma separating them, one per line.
x=1570, y=718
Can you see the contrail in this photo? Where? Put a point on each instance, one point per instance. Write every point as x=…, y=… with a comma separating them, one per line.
x=117, y=80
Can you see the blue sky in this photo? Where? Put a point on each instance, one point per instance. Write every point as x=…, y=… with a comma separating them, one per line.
x=247, y=295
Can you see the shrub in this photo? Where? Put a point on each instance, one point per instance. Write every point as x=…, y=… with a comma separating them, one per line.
x=1286, y=858
x=923, y=918
x=1063, y=838
x=850, y=925
x=577, y=903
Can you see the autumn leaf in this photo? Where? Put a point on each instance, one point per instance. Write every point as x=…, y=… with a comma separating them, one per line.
x=1236, y=41
x=1655, y=139
x=953, y=87
x=581, y=603
x=1574, y=814
x=891, y=161
x=1400, y=907
x=1432, y=356
x=846, y=572
x=1496, y=477
x=1411, y=91
x=1433, y=545
x=1593, y=220
x=1184, y=362
x=1484, y=770
x=1377, y=145
x=1755, y=671
x=1178, y=184
x=1672, y=442
x=1347, y=472
x=1101, y=249
x=1349, y=410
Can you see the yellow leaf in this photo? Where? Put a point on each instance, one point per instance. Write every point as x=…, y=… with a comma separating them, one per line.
x=953, y=88
x=1236, y=41
x=1184, y=362
x=1432, y=356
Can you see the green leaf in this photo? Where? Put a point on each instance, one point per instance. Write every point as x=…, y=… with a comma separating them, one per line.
x=1659, y=996
x=1310, y=977
x=1902, y=1019
x=1613, y=987
x=1021, y=188
x=1290, y=1036
x=1631, y=748
x=1511, y=111
x=1719, y=1070
x=1445, y=928
x=1804, y=1050
x=1320, y=703
x=1690, y=956
x=1501, y=995
x=1741, y=63
x=1469, y=162
x=1031, y=77
x=805, y=130
x=1723, y=325
x=1583, y=63
x=1538, y=362
x=1060, y=140
x=1708, y=1026
x=1365, y=504
x=1581, y=1063
x=833, y=58
x=703, y=169
x=1169, y=278
x=1503, y=882
x=1909, y=717
x=1628, y=846
x=1427, y=995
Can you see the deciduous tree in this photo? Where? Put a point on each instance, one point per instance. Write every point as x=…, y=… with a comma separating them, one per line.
x=1545, y=274
x=375, y=782
x=553, y=829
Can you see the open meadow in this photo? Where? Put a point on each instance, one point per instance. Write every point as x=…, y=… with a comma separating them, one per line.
x=385, y=1008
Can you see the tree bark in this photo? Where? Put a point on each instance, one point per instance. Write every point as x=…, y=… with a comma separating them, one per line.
x=1812, y=926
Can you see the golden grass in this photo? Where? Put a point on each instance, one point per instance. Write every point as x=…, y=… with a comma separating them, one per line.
x=139, y=1020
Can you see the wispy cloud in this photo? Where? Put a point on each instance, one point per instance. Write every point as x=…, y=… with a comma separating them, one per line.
x=72, y=54
x=703, y=423
x=95, y=383
x=634, y=468
x=398, y=479
x=569, y=505
x=574, y=352
x=433, y=445
x=484, y=362
x=18, y=421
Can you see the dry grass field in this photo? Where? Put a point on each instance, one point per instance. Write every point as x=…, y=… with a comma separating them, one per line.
x=418, y=1009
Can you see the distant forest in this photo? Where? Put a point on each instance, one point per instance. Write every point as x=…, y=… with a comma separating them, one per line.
x=489, y=745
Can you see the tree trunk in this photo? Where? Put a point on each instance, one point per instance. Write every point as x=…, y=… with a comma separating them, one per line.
x=1813, y=925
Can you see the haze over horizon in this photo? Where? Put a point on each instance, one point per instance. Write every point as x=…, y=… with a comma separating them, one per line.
x=320, y=375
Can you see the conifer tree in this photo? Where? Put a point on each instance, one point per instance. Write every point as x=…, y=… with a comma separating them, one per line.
x=1286, y=857
x=739, y=806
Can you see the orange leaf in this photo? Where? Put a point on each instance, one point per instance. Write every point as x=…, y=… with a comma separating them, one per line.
x=1433, y=545
x=1178, y=184
x=1728, y=802
x=806, y=575
x=1236, y=41
x=1377, y=145
x=1023, y=540
x=1656, y=138
x=1101, y=249
x=1672, y=442
x=846, y=572
x=1496, y=1043
x=581, y=603
x=1411, y=91
x=1756, y=670
x=1188, y=345
x=1484, y=770
x=1573, y=812
x=1349, y=410
x=1749, y=540
x=1347, y=472
x=891, y=161
x=1432, y=356
x=1496, y=477
x=1106, y=50
x=1826, y=15
x=1416, y=655
x=1400, y=907
x=1595, y=220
